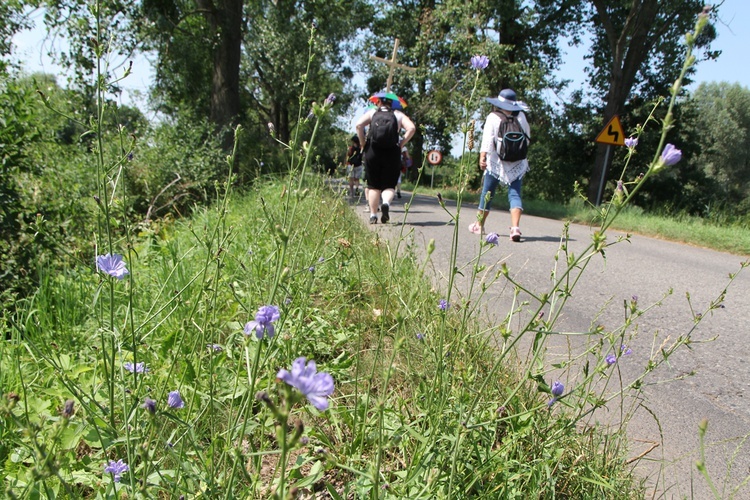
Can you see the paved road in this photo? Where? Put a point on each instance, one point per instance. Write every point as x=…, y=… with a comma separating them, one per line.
x=715, y=376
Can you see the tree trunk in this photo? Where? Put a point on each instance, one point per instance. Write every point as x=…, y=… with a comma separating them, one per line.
x=225, y=20
x=630, y=47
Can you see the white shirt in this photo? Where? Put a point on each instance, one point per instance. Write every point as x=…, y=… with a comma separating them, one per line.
x=505, y=171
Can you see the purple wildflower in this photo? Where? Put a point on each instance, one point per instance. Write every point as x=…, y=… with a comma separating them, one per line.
x=149, y=404
x=479, y=62
x=626, y=351
x=670, y=155
x=314, y=386
x=443, y=305
x=311, y=269
x=175, y=401
x=135, y=368
x=117, y=469
x=420, y=336
x=631, y=142
x=215, y=347
x=69, y=408
x=557, y=389
x=611, y=359
x=330, y=99
x=112, y=264
x=264, y=318
x=322, y=259
x=493, y=239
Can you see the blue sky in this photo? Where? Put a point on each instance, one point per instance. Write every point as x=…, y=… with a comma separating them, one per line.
x=732, y=66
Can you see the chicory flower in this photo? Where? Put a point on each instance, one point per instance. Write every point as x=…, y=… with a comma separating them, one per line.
x=316, y=387
x=112, y=264
x=480, y=62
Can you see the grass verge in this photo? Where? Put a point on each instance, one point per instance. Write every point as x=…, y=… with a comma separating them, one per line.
x=424, y=405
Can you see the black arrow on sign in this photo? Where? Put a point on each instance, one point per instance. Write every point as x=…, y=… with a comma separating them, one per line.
x=613, y=133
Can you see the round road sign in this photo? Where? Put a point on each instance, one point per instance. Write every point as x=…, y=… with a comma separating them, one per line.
x=434, y=157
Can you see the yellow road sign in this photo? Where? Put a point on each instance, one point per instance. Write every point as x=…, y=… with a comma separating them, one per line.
x=612, y=133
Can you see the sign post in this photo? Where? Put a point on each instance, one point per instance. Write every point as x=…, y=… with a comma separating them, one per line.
x=434, y=157
x=612, y=135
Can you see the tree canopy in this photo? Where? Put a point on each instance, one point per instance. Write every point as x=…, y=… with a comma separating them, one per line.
x=235, y=61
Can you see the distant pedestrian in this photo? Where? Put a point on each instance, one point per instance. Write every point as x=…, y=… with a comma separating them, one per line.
x=354, y=166
x=382, y=150
x=405, y=166
x=502, y=157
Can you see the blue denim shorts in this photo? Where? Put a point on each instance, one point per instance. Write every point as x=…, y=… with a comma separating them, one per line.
x=490, y=186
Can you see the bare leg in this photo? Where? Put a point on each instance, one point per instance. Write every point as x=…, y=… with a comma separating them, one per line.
x=373, y=199
x=482, y=217
x=515, y=217
x=388, y=195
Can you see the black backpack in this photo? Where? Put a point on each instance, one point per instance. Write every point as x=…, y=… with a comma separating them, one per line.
x=356, y=158
x=384, y=129
x=512, y=143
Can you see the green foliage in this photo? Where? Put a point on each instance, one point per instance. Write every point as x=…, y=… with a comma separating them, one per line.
x=11, y=22
x=174, y=167
x=17, y=134
x=720, y=124
x=327, y=315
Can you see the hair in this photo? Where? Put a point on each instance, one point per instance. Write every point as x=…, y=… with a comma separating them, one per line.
x=355, y=139
x=386, y=102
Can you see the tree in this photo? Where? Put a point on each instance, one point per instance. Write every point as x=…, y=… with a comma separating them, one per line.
x=439, y=38
x=280, y=40
x=636, y=48
x=11, y=22
x=722, y=130
x=199, y=49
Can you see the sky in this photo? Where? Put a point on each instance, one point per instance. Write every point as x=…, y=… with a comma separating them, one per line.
x=732, y=66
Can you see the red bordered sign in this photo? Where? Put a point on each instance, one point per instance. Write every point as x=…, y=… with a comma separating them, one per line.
x=434, y=157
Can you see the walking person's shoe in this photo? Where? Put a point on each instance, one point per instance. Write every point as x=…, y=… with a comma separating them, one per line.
x=515, y=234
x=385, y=217
x=398, y=194
x=373, y=219
x=475, y=228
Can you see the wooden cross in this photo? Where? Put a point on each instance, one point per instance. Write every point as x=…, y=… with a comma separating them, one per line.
x=392, y=65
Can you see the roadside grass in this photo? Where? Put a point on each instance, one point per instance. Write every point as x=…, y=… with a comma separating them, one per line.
x=729, y=237
x=422, y=407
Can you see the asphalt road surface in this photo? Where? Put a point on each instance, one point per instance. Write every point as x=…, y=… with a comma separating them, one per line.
x=710, y=380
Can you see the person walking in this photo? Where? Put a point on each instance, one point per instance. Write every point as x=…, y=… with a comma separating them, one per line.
x=382, y=150
x=354, y=166
x=405, y=166
x=502, y=158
